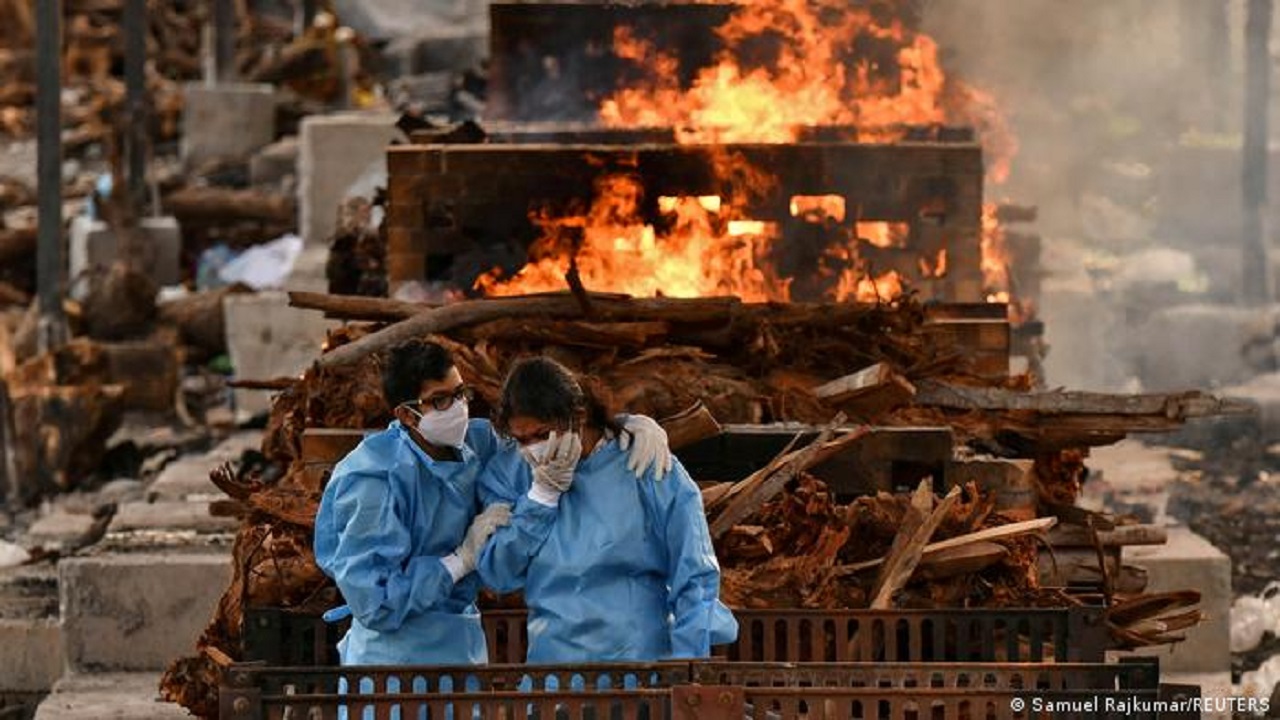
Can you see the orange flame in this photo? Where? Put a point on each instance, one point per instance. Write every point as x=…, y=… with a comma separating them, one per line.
x=703, y=253
x=995, y=256
x=807, y=80
x=818, y=208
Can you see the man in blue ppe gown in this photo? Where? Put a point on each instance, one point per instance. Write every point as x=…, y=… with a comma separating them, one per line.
x=398, y=528
x=612, y=569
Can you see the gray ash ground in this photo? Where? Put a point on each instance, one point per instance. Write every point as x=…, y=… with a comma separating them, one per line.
x=1231, y=496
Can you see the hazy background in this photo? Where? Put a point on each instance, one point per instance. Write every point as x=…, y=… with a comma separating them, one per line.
x=1128, y=117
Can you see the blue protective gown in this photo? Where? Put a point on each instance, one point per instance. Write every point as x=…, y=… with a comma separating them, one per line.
x=389, y=513
x=620, y=570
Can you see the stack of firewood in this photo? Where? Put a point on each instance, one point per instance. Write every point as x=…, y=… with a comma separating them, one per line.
x=782, y=537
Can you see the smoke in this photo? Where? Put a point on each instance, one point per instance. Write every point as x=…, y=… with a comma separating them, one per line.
x=1127, y=115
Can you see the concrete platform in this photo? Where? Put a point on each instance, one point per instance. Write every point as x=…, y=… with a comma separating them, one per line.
x=31, y=657
x=169, y=515
x=137, y=612
x=188, y=476
x=57, y=529
x=184, y=478
x=113, y=696
x=1188, y=561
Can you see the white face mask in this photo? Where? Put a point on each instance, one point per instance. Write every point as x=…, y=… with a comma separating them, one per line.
x=445, y=428
x=538, y=451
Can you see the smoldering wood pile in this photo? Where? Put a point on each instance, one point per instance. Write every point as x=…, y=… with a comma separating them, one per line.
x=783, y=538
x=95, y=117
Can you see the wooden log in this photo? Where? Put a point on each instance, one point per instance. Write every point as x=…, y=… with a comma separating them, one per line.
x=356, y=307
x=909, y=544
x=998, y=532
x=213, y=205
x=632, y=335
x=147, y=370
x=689, y=426
x=10, y=295
x=1169, y=406
x=61, y=434
x=199, y=318
x=1065, y=535
x=561, y=306
x=17, y=244
x=868, y=393
x=961, y=561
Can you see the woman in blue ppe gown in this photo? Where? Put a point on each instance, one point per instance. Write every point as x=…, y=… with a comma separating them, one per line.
x=612, y=569
x=398, y=528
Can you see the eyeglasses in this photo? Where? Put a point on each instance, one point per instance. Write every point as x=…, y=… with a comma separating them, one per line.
x=444, y=401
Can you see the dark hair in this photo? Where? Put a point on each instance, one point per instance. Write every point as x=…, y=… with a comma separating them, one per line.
x=541, y=388
x=411, y=364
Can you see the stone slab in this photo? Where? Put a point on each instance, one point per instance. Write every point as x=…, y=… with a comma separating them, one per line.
x=183, y=478
x=57, y=528
x=111, y=696
x=30, y=655
x=267, y=339
x=169, y=515
x=137, y=612
x=1190, y=562
x=226, y=120
x=93, y=245
x=334, y=151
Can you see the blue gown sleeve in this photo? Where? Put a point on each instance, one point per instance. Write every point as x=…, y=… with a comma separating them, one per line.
x=504, y=562
x=363, y=544
x=699, y=619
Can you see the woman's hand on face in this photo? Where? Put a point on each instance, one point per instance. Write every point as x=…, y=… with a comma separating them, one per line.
x=553, y=469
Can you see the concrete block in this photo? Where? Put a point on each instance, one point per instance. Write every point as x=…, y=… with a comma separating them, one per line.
x=137, y=612
x=94, y=245
x=1224, y=338
x=334, y=151
x=1189, y=562
x=273, y=163
x=268, y=339
x=110, y=696
x=169, y=515
x=230, y=120
x=30, y=655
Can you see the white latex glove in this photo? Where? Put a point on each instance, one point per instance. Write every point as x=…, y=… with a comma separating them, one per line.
x=482, y=526
x=647, y=443
x=553, y=469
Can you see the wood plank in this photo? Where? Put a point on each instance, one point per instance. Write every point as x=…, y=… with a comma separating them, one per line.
x=1065, y=535
x=994, y=533
x=1169, y=406
x=868, y=393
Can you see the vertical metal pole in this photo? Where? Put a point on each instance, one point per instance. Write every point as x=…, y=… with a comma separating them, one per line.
x=304, y=14
x=135, y=59
x=224, y=37
x=52, y=324
x=1256, y=283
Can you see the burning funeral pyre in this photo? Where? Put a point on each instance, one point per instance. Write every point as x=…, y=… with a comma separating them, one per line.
x=780, y=225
